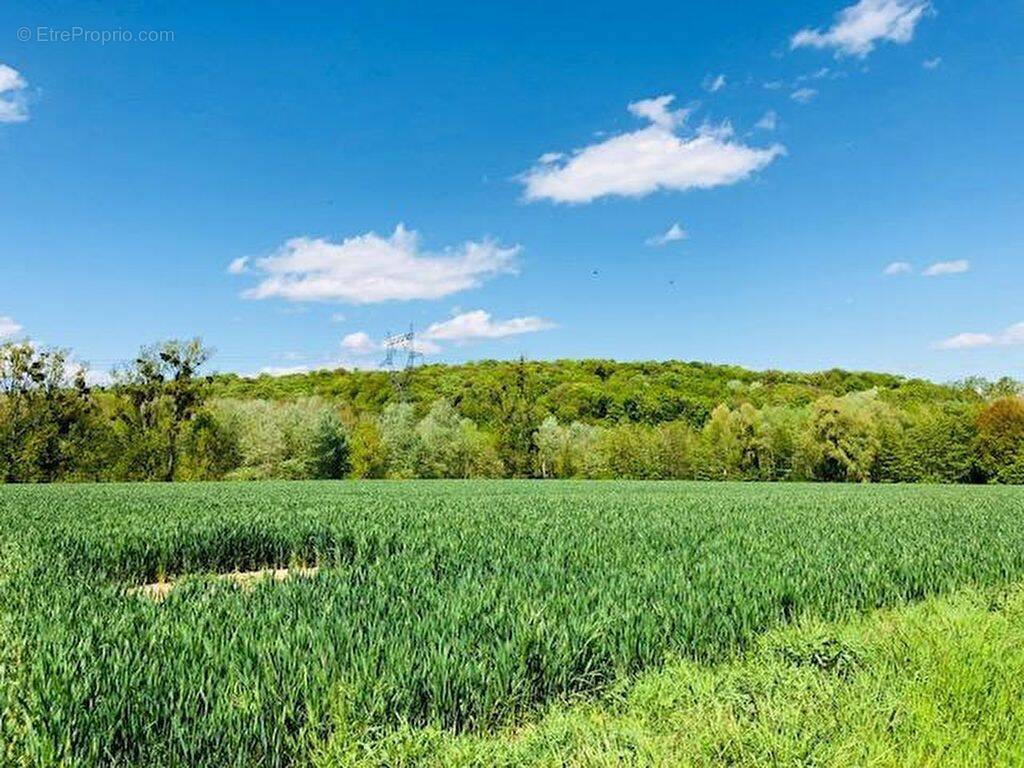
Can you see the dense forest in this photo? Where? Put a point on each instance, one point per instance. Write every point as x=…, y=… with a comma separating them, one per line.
x=164, y=418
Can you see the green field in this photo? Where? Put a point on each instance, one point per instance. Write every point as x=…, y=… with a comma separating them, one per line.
x=938, y=683
x=454, y=607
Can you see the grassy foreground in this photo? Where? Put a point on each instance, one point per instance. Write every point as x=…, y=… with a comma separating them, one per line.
x=456, y=607
x=940, y=683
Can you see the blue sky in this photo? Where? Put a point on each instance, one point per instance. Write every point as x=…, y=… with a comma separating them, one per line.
x=292, y=182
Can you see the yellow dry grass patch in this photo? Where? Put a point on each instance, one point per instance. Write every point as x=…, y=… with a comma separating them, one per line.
x=160, y=589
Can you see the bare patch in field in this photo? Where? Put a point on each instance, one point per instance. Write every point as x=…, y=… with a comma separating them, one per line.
x=159, y=590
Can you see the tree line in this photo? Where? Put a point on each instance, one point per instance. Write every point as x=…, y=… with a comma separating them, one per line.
x=162, y=418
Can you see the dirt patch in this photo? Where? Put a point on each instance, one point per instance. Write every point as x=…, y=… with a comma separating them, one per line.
x=159, y=590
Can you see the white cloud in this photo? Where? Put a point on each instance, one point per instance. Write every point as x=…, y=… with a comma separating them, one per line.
x=10, y=79
x=674, y=233
x=655, y=157
x=932, y=63
x=368, y=268
x=1008, y=337
x=967, y=341
x=479, y=325
x=899, y=268
x=714, y=83
x=239, y=266
x=550, y=157
x=95, y=377
x=358, y=342
x=8, y=327
x=774, y=85
x=769, y=121
x=803, y=95
x=425, y=346
x=860, y=26
x=285, y=370
x=1013, y=335
x=361, y=344
x=656, y=110
x=13, y=107
x=956, y=267
x=337, y=317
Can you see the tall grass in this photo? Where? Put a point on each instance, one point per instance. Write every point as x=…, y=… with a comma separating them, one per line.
x=938, y=683
x=454, y=605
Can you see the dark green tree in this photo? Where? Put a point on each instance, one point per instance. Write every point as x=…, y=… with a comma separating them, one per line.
x=43, y=402
x=164, y=392
x=330, y=448
x=517, y=423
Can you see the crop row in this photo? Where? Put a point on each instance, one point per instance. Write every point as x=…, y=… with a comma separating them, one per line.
x=461, y=605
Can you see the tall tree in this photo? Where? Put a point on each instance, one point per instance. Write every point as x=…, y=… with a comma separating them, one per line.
x=517, y=423
x=42, y=401
x=165, y=392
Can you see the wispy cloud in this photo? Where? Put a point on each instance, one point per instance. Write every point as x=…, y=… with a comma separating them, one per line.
x=671, y=235
x=769, y=121
x=13, y=106
x=661, y=156
x=478, y=324
x=803, y=95
x=898, y=268
x=859, y=27
x=8, y=327
x=368, y=269
x=714, y=83
x=238, y=266
x=955, y=267
x=1008, y=337
x=817, y=74
x=932, y=63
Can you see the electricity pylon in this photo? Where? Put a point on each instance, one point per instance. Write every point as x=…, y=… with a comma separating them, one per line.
x=394, y=345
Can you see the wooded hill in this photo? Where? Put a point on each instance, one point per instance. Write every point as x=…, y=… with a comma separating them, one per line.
x=598, y=391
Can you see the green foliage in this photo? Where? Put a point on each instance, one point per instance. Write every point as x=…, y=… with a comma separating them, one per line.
x=369, y=456
x=562, y=419
x=209, y=449
x=451, y=604
x=1000, y=441
x=938, y=443
x=843, y=440
x=595, y=391
x=297, y=440
x=161, y=394
x=517, y=421
x=330, y=453
x=45, y=414
x=453, y=446
x=400, y=440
